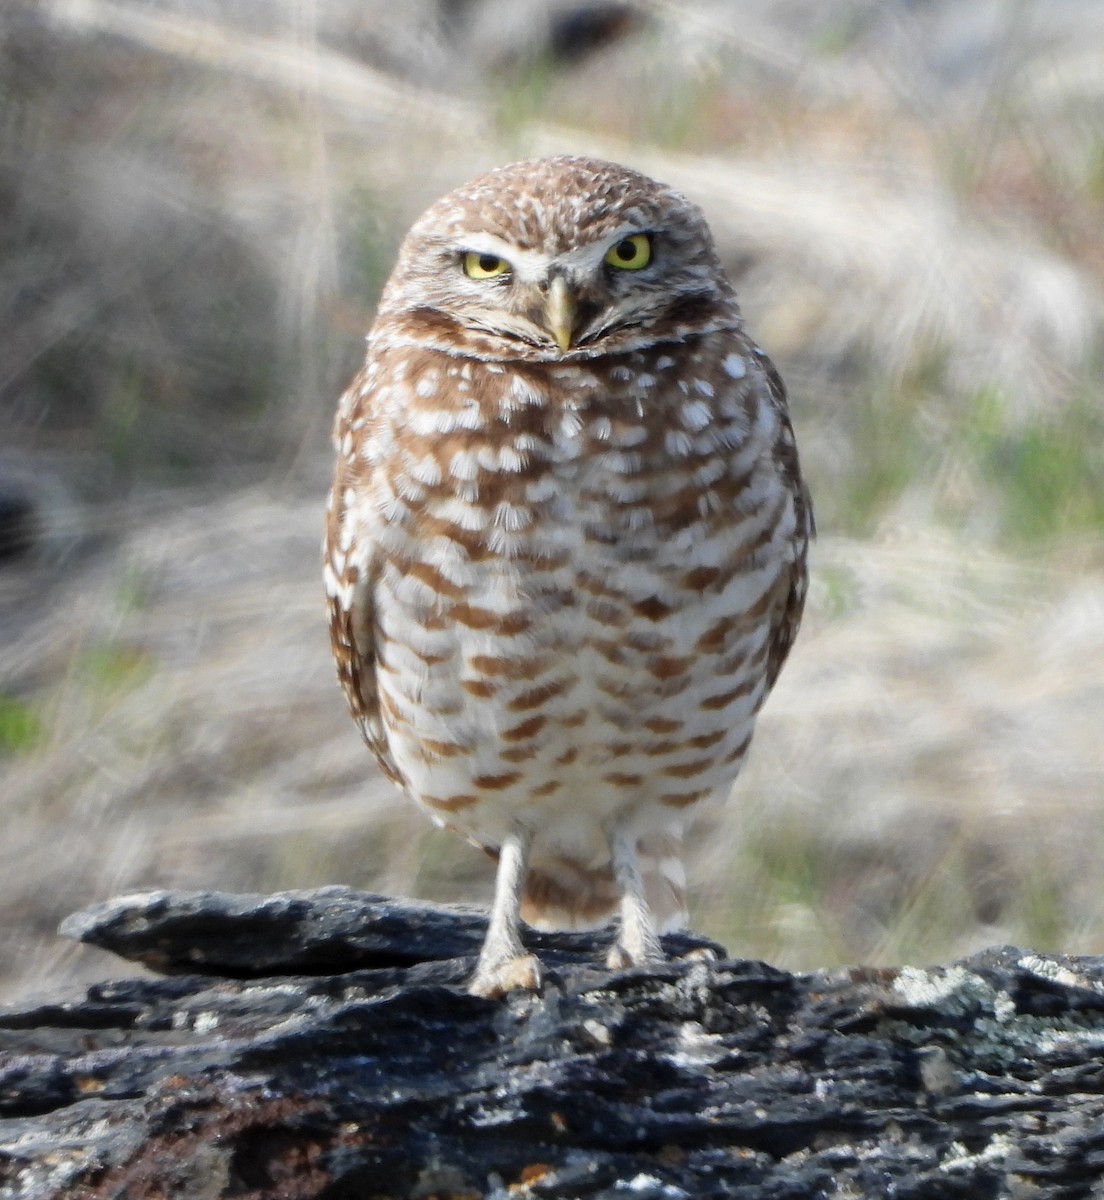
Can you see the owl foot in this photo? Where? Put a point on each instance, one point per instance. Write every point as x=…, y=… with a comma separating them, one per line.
x=620, y=957
x=503, y=964
x=492, y=980
x=700, y=954
x=637, y=942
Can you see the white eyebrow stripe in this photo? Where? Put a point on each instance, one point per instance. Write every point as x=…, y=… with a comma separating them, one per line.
x=532, y=265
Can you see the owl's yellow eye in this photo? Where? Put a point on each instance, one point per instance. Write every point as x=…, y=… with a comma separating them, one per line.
x=631, y=253
x=484, y=266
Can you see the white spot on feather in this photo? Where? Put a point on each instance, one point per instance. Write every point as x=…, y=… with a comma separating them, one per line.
x=511, y=516
x=409, y=488
x=570, y=425
x=464, y=465
x=620, y=462
x=426, y=470
x=470, y=416
x=678, y=443
x=524, y=391
x=710, y=471
x=630, y=435
x=696, y=415
x=541, y=489
x=464, y=515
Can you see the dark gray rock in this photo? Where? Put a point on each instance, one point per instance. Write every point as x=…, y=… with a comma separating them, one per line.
x=321, y=931
x=328, y=1049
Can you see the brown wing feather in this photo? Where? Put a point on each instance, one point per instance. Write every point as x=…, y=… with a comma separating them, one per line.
x=787, y=616
x=350, y=599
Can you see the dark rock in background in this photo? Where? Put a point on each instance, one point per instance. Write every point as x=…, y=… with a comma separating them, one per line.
x=328, y=1049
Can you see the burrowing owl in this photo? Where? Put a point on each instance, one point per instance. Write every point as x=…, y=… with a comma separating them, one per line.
x=565, y=550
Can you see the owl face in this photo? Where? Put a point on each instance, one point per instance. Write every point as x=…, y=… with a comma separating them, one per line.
x=558, y=258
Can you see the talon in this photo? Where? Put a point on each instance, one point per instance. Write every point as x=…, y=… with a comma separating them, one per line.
x=522, y=973
x=700, y=954
x=620, y=958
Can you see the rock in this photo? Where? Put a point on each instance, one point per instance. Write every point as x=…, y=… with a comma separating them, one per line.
x=320, y=1044
x=322, y=931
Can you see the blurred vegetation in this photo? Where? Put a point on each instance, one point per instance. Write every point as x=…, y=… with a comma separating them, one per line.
x=1048, y=473
x=200, y=201
x=177, y=283
x=20, y=726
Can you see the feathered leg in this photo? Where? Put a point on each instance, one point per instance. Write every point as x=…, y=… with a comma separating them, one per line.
x=637, y=941
x=503, y=964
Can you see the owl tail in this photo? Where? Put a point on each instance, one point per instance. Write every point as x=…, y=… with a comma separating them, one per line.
x=562, y=893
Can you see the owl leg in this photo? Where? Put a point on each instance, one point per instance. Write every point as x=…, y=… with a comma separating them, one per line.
x=637, y=941
x=503, y=964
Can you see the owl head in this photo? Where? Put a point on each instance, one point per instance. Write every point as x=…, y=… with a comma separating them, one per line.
x=557, y=258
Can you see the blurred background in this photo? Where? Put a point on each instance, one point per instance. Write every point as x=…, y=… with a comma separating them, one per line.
x=199, y=201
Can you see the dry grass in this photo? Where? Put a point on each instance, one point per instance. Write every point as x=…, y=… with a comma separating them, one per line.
x=203, y=204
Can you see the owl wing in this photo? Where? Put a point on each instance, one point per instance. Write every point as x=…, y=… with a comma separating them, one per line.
x=350, y=569
x=787, y=615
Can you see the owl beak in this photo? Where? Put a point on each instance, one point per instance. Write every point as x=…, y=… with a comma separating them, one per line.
x=559, y=311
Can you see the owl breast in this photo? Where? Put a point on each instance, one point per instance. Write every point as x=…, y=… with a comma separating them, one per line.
x=572, y=603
